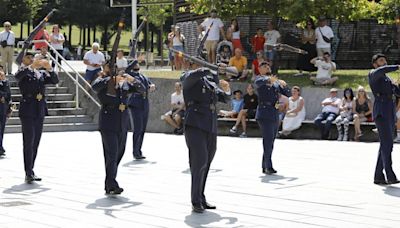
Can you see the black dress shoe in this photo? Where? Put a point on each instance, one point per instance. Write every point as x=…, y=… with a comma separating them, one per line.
x=2, y=153
x=36, y=178
x=198, y=208
x=380, y=182
x=269, y=171
x=140, y=158
x=393, y=181
x=209, y=206
x=29, y=179
x=114, y=191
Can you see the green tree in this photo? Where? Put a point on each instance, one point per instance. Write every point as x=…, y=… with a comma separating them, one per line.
x=19, y=10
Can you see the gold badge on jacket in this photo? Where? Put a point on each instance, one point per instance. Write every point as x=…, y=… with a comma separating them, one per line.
x=39, y=97
x=122, y=107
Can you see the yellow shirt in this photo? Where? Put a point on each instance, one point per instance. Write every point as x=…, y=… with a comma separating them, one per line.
x=240, y=63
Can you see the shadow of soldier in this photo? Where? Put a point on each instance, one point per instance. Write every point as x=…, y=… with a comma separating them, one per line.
x=110, y=204
x=276, y=179
x=392, y=191
x=187, y=171
x=136, y=163
x=207, y=219
x=26, y=189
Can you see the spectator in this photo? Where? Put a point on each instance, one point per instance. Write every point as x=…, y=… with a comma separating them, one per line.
x=257, y=42
x=213, y=35
x=122, y=62
x=56, y=40
x=233, y=34
x=44, y=54
x=324, y=35
x=325, y=68
x=308, y=44
x=296, y=112
x=79, y=50
x=248, y=111
x=346, y=115
x=170, y=53
x=240, y=63
x=94, y=59
x=225, y=55
x=330, y=109
x=362, y=109
x=174, y=116
x=177, y=42
x=272, y=37
x=7, y=41
x=260, y=58
x=237, y=105
x=41, y=35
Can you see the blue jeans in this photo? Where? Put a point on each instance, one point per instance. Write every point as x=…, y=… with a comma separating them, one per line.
x=329, y=117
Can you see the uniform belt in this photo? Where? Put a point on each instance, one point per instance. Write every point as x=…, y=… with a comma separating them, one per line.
x=143, y=95
x=385, y=96
x=29, y=96
x=267, y=103
x=201, y=105
x=110, y=106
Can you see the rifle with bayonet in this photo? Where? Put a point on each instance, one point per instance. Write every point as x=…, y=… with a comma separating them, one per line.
x=28, y=40
x=136, y=37
x=203, y=41
x=285, y=47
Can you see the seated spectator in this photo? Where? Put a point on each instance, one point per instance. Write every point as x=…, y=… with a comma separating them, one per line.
x=248, y=111
x=346, y=115
x=330, y=109
x=283, y=107
x=93, y=59
x=296, y=112
x=174, y=116
x=257, y=42
x=122, y=62
x=260, y=58
x=44, y=54
x=325, y=68
x=240, y=62
x=225, y=55
x=362, y=109
x=237, y=105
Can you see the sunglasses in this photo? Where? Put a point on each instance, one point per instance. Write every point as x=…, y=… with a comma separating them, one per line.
x=8, y=26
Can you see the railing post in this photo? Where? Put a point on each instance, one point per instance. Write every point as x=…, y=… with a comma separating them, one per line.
x=76, y=92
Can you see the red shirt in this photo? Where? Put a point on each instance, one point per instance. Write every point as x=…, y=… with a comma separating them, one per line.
x=257, y=42
x=41, y=35
x=255, y=64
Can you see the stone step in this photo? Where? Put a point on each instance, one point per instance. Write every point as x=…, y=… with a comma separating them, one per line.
x=50, y=97
x=53, y=89
x=56, y=119
x=15, y=83
x=60, y=112
x=57, y=127
x=55, y=104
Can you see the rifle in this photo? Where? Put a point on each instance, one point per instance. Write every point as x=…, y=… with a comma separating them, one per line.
x=132, y=53
x=231, y=70
x=112, y=63
x=286, y=47
x=28, y=40
x=203, y=40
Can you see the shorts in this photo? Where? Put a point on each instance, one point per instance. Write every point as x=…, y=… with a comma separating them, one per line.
x=211, y=45
x=251, y=113
x=178, y=48
x=181, y=113
x=321, y=51
x=90, y=75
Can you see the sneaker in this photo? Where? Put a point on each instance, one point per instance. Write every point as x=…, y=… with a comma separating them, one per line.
x=375, y=130
x=233, y=130
x=243, y=135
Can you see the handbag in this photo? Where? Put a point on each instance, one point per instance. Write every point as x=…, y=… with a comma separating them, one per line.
x=326, y=39
x=4, y=42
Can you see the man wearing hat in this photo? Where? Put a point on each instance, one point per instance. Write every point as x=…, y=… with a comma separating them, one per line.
x=324, y=35
x=138, y=104
x=330, y=109
x=384, y=91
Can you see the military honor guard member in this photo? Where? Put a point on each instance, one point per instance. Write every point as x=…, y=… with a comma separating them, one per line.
x=113, y=94
x=268, y=88
x=139, y=108
x=384, y=114
x=201, y=91
x=5, y=109
x=32, y=78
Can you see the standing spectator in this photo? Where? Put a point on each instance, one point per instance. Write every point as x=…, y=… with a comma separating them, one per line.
x=122, y=62
x=272, y=37
x=79, y=50
x=236, y=105
x=362, y=109
x=177, y=43
x=94, y=59
x=7, y=42
x=240, y=62
x=260, y=58
x=346, y=115
x=56, y=40
x=325, y=69
x=233, y=34
x=174, y=116
x=248, y=111
x=257, y=42
x=170, y=53
x=308, y=44
x=324, y=35
x=213, y=35
x=44, y=54
x=296, y=112
x=41, y=35
x=330, y=109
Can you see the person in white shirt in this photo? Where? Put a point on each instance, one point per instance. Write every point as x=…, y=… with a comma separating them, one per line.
x=325, y=68
x=174, y=116
x=178, y=41
x=324, y=36
x=79, y=52
x=214, y=34
x=122, y=62
x=94, y=59
x=44, y=54
x=272, y=37
x=330, y=110
x=7, y=39
x=56, y=41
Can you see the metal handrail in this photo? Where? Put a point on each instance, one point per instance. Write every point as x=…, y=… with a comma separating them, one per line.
x=77, y=77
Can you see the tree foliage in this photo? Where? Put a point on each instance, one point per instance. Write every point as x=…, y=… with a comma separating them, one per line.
x=19, y=10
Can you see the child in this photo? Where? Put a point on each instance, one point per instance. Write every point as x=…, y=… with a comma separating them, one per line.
x=225, y=55
x=237, y=105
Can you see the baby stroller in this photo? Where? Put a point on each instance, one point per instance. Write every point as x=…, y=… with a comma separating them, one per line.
x=224, y=52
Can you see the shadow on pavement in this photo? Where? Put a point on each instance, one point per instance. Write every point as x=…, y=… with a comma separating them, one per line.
x=392, y=191
x=207, y=218
x=110, y=204
x=26, y=189
x=138, y=162
x=187, y=171
x=276, y=179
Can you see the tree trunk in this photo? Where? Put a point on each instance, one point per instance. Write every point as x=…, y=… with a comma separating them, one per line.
x=80, y=35
x=88, y=36
x=22, y=30
x=160, y=44
x=29, y=27
x=94, y=33
x=152, y=41
x=84, y=37
x=69, y=34
x=105, y=38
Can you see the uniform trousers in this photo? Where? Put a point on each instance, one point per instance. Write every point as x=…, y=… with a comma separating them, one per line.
x=31, y=133
x=269, y=129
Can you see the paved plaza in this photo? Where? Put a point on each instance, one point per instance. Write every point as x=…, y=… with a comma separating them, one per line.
x=318, y=184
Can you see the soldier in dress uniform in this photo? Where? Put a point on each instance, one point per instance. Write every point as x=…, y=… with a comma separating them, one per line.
x=384, y=114
x=201, y=91
x=33, y=107
x=5, y=109
x=268, y=89
x=114, y=120
x=139, y=108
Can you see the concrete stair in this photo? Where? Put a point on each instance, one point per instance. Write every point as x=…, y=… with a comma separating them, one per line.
x=63, y=113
